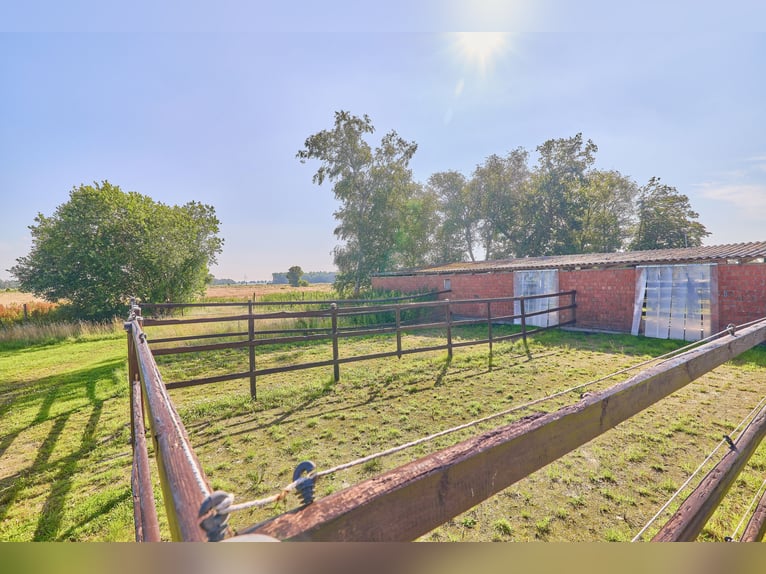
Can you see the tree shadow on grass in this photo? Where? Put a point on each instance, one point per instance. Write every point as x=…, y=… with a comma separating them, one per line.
x=53, y=510
x=70, y=386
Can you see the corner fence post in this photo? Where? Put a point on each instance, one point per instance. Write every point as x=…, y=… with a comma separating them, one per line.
x=251, y=349
x=335, y=364
x=133, y=375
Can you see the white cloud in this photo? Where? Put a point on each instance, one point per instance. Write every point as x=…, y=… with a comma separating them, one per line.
x=750, y=198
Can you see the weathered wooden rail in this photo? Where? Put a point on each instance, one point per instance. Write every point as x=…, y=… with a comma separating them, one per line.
x=411, y=500
x=448, y=310
x=415, y=498
x=184, y=485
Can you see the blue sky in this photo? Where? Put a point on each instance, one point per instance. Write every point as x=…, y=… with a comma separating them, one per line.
x=211, y=101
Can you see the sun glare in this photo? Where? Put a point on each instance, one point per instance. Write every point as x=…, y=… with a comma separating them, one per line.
x=481, y=48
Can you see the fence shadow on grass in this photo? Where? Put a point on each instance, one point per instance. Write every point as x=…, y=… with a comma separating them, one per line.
x=72, y=386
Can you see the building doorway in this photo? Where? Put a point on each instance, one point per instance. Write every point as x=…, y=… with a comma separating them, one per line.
x=674, y=302
x=537, y=282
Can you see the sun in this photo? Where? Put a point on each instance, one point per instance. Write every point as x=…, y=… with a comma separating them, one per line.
x=480, y=49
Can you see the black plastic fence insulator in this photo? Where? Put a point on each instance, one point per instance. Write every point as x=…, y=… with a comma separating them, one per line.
x=731, y=328
x=216, y=524
x=304, y=485
x=727, y=438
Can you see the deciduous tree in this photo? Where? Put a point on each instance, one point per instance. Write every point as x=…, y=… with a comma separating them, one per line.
x=457, y=212
x=553, y=207
x=294, y=275
x=104, y=245
x=372, y=186
x=666, y=219
x=607, y=212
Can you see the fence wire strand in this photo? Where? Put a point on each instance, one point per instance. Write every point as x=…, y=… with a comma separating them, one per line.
x=749, y=417
x=362, y=460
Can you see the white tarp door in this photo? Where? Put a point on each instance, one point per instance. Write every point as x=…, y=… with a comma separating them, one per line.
x=677, y=301
x=538, y=282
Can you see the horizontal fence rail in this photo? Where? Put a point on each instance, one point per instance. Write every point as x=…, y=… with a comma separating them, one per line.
x=413, y=499
x=183, y=481
x=440, y=315
x=409, y=501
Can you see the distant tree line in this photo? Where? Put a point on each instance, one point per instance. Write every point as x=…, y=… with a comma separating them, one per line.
x=308, y=276
x=505, y=208
x=8, y=284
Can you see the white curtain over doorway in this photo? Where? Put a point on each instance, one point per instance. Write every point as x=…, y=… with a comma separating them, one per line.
x=537, y=282
x=674, y=301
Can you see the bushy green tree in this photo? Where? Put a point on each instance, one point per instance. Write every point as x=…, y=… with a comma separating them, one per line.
x=552, y=208
x=457, y=213
x=607, y=212
x=666, y=219
x=497, y=188
x=294, y=275
x=104, y=245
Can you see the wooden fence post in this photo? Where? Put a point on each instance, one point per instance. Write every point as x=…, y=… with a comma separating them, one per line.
x=489, y=326
x=523, y=324
x=574, y=306
x=399, y=331
x=449, y=328
x=251, y=339
x=335, y=364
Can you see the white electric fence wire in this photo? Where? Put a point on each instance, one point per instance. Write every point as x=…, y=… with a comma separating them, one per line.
x=665, y=506
x=749, y=508
x=279, y=496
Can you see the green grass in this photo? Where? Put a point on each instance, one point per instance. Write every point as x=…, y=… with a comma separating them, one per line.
x=65, y=454
x=64, y=451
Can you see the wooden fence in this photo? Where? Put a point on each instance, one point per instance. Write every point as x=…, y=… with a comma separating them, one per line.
x=411, y=500
x=443, y=315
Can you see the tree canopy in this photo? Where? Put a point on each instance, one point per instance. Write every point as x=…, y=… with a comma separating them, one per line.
x=294, y=275
x=666, y=219
x=104, y=245
x=373, y=187
x=506, y=208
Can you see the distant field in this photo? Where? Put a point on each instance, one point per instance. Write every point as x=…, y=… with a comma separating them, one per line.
x=17, y=297
x=247, y=291
x=244, y=292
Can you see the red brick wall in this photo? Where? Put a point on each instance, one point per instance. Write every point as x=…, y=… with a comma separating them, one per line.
x=409, y=283
x=605, y=297
x=741, y=293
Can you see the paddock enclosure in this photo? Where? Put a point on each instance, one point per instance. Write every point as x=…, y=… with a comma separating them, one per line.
x=411, y=436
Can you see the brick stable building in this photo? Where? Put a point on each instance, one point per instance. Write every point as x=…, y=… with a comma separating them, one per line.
x=684, y=293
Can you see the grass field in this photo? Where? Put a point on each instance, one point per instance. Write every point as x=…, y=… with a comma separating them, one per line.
x=65, y=454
